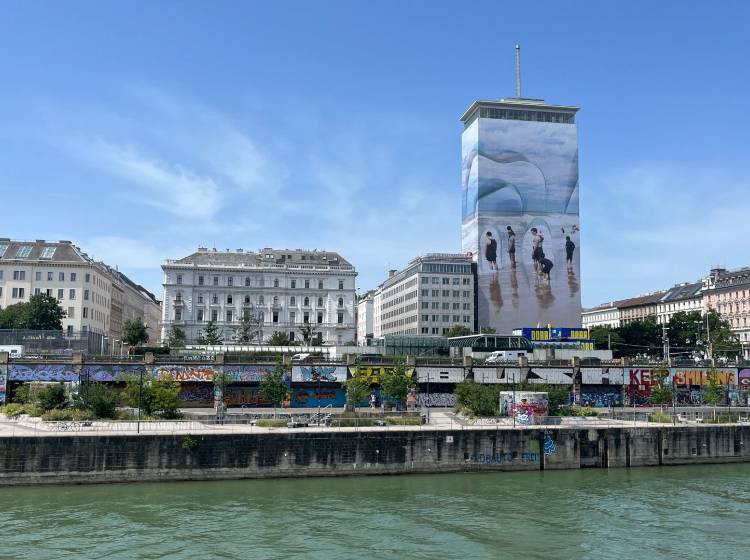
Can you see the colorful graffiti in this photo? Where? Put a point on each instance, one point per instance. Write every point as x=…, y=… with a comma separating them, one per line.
x=196, y=392
x=185, y=373
x=109, y=372
x=499, y=458
x=523, y=405
x=251, y=374
x=374, y=373
x=245, y=396
x=42, y=372
x=645, y=377
x=549, y=445
x=313, y=397
x=601, y=397
x=3, y=383
x=325, y=374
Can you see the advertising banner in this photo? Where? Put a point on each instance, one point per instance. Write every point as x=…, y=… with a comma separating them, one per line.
x=520, y=221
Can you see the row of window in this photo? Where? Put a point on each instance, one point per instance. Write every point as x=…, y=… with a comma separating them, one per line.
x=446, y=281
x=447, y=318
x=447, y=268
x=229, y=317
x=21, y=275
x=445, y=305
x=400, y=288
x=261, y=282
x=261, y=300
x=446, y=293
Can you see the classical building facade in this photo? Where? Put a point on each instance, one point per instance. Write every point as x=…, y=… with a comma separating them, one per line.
x=89, y=291
x=606, y=315
x=277, y=290
x=684, y=297
x=432, y=294
x=728, y=292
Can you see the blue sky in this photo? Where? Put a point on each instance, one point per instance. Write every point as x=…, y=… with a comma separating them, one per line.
x=144, y=129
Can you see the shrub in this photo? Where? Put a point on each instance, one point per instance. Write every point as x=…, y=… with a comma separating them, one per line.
x=270, y=423
x=403, y=420
x=581, y=411
x=51, y=397
x=69, y=414
x=660, y=417
x=100, y=399
x=476, y=399
x=14, y=410
x=21, y=394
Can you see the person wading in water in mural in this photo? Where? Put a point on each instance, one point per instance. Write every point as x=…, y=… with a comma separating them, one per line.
x=490, y=250
x=537, y=249
x=511, y=246
x=569, y=248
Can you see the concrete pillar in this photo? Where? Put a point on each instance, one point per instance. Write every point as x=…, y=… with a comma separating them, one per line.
x=219, y=358
x=351, y=359
x=468, y=361
x=411, y=361
x=523, y=365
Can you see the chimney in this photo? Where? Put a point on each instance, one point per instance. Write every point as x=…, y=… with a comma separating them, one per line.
x=392, y=272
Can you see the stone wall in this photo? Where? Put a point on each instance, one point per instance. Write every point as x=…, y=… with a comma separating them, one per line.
x=149, y=457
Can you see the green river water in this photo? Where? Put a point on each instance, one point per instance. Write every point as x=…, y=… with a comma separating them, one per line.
x=671, y=512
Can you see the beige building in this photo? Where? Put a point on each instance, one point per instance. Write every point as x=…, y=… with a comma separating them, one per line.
x=89, y=292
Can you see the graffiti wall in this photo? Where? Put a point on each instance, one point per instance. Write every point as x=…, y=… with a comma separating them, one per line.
x=3, y=383
x=315, y=397
x=196, y=392
x=373, y=373
x=446, y=400
x=602, y=376
x=526, y=406
x=42, y=372
x=186, y=373
x=111, y=372
x=251, y=373
x=325, y=374
x=551, y=376
x=598, y=396
x=245, y=396
x=440, y=374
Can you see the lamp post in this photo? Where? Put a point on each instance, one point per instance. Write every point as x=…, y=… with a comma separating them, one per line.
x=428, y=395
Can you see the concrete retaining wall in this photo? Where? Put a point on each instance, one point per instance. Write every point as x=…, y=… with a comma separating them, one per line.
x=150, y=457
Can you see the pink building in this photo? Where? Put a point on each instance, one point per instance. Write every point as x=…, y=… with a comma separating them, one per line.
x=728, y=292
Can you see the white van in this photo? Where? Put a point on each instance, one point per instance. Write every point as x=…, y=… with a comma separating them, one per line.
x=504, y=356
x=301, y=358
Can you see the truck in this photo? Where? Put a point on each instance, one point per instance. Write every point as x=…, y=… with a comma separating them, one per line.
x=505, y=356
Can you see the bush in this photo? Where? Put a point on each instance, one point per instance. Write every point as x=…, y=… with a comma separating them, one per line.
x=14, y=410
x=51, y=397
x=660, y=417
x=476, y=399
x=270, y=423
x=100, y=399
x=70, y=414
x=403, y=420
x=581, y=411
x=21, y=394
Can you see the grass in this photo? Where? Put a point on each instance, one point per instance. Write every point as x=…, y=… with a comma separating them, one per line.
x=270, y=423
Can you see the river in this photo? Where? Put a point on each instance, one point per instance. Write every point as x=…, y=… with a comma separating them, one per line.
x=671, y=512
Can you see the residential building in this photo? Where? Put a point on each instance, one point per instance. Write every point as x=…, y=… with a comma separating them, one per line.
x=685, y=297
x=278, y=290
x=520, y=197
x=728, y=292
x=429, y=296
x=365, y=317
x=606, y=315
x=86, y=289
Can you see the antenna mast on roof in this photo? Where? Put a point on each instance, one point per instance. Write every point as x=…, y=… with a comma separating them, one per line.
x=518, y=71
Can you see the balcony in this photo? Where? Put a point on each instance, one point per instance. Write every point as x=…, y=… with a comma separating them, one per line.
x=178, y=302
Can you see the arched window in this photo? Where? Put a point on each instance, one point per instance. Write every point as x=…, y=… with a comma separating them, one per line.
x=247, y=299
x=320, y=302
x=341, y=302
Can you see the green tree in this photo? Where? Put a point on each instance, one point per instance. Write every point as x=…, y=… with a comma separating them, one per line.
x=210, y=335
x=661, y=392
x=357, y=390
x=476, y=399
x=99, y=398
x=603, y=337
x=458, y=330
x=309, y=333
x=487, y=330
x=13, y=316
x=723, y=340
x=713, y=391
x=395, y=384
x=278, y=338
x=138, y=394
x=640, y=337
x=247, y=329
x=273, y=387
x=51, y=396
x=165, y=393
x=134, y=332
x=43, y=313
x=176, y=337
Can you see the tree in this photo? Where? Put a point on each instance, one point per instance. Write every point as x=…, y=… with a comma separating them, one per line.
x=458, y=330
x=723, y=341
x=51, y=397
x=308, y=332
x=712, y=392
x=273, y=387
x=357, y=390
x=99, y=398
x=395, y=384
x=176, y=337
x=211, y=335
x=13, y=316
x=487, y=330
x=605, y=337
x=278, y=338
x=643, y=336
x=221, y=382
x=476, y=399
x=247, y=329
x=165, y=393
x=134, y=332
x=661, y=393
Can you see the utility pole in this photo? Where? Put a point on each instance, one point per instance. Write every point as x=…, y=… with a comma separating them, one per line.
x=665, y=339
x=710, y=344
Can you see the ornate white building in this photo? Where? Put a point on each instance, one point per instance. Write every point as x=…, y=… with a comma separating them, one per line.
x=281, y=289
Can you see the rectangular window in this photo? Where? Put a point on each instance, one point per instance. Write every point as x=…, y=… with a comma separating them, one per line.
x=435, y=293
x=293, y=284
x=48, y=291
x=456, y=293
x=85, y=312
x=425, y=280
x=340, y=319
x=19, y=275
x=38, y=276
x=23, y=252
x=425, y=305
x=179, y=278
x=307, y=284
x=434, y=330
x=456, y=281
x=87, y=277
x=60, y=293
x=425, y=317
x=61, y=277
x=456, y=306
x=435, y=280
x=435, y=305
x=229, y=315
x=71, y=313
x=37, y=291
x=230, y=281
x=229, y=300
x=14, y=293
x=216, y=280
x=466, y=281
x=446, y=305
x=435, y=318
x=291, y=336
x=200, y=280
x=178, y=314
x=425, y=293
x=214, y=315
x=320, y=318
x=467, y=318
x=446, y=318
x=73, y=276
x=466, y=293
x=446, y=280
x=456, y=318
x=71, y=294
x=200, y=316
x=200, y=298
x=275, y=317
x=446, y=293
x=292, y=317
x=425, y=330
x=306, y=318
x=341, y=284
x=85, y=295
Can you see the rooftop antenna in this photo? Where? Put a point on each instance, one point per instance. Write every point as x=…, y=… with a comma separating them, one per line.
x=518, y=71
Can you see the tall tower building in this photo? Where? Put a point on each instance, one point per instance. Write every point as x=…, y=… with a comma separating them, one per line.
x=519, y=176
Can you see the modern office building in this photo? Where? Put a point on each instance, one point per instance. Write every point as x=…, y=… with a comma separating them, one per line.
x=433, y=293
x=519, y=177
x=277, y=290
x=96, y=298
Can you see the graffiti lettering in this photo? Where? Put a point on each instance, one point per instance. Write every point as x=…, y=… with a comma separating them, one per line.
x=436, y=399
x=44, y=372
x=499, y=458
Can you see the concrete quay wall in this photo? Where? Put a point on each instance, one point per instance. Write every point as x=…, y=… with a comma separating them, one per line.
x=152, y=457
